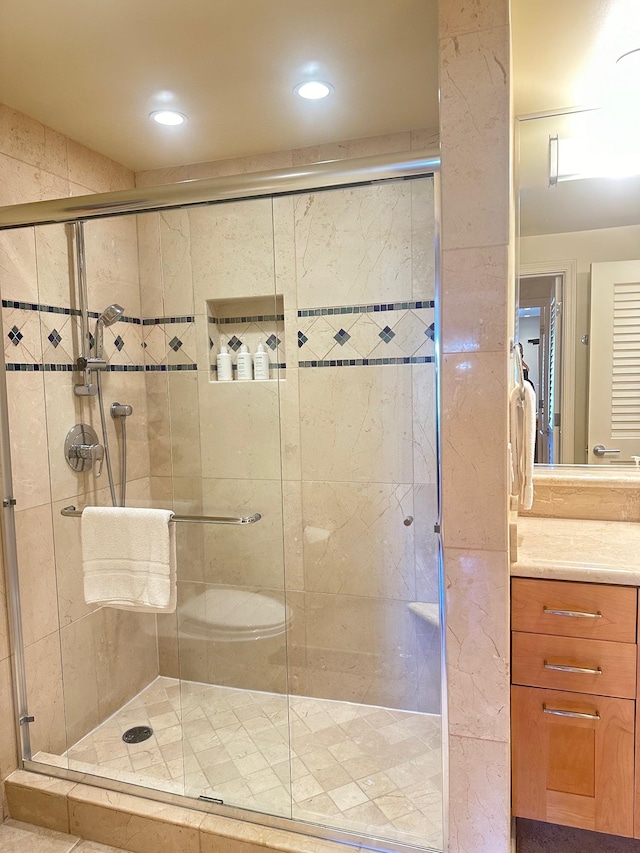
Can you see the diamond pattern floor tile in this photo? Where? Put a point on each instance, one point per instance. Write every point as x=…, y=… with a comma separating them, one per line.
x=359, y=768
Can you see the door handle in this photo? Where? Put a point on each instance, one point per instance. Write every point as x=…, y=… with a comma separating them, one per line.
x=600, y=450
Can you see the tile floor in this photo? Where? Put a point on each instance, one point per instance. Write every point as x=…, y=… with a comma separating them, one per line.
x=16, y=837
x=359, y=768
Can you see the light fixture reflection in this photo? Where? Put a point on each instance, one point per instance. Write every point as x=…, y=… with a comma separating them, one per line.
x=314, y=90
x=169, y=118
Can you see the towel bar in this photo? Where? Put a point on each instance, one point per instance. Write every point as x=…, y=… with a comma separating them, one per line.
x=72, y=512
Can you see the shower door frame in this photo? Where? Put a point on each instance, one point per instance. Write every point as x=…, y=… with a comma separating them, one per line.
x=361, y=171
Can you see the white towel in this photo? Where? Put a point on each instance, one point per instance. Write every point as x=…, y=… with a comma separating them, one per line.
x=516, y=418
x=528, y=445
x=129, y=558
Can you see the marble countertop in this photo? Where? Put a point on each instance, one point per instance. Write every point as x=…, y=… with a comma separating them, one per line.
x=578, y=549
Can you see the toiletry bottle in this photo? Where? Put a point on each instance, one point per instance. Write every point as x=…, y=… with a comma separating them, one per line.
x=245, y=364
x=223, y=362
x=260, y=363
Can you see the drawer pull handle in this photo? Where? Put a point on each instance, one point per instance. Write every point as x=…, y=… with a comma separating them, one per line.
x=559, y=713
x=575, y=613
x=580, y=669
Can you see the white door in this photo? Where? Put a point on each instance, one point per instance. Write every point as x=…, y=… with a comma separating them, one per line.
x=614, y=363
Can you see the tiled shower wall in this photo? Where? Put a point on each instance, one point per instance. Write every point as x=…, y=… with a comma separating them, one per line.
x=79, y=665
x=350, y=426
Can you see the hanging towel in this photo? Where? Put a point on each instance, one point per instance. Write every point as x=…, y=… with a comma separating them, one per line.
x=516, y=419
x=528, y=445
x=129, y=558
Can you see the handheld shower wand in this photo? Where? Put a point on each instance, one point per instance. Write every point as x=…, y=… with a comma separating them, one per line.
x=108, y=317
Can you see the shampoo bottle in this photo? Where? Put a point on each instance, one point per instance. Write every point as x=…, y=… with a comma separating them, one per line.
x=223, y=362
x=260, y=363
x=245, y=364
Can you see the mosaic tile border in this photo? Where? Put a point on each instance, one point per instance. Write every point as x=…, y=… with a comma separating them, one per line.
x=163, y=368
x=368, y=362
x=70, y=312
x=366, y=309
x=18, y=367
x=165, y=321
x=255, y=318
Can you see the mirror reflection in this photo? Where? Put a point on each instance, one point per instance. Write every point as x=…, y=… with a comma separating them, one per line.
x=579, y=283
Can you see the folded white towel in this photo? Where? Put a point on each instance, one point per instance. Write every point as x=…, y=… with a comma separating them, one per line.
x=129, y=558
x=516, y=419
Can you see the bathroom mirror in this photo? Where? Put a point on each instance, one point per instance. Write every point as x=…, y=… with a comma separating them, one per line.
x=578, y=174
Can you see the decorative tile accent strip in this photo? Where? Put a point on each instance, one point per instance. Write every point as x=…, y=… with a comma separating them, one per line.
x=366, y=309
x=162, y=368
x=35, y=368
x=162, y=321
x=257, y=318
x=368, y=362
x=53, y=309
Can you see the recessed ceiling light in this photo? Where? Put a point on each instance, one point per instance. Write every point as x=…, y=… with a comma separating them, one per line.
x=313, y=90
x=168, y=117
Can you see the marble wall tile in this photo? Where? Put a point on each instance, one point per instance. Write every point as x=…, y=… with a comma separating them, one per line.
x=27, y=416
x=423, y=274
x=159, y=436
x=239, y=429
x=18, y=270
x=126, y=656
x=366, y=147
x=289, y=397
x=68, y=564
x=4, y=622
x=478, y=644
x=472, y=16
x=128, y=388
x=112, y=264
x=355, y=424
x=425, y=137
x=150, y=264
x=38, y=799
x=355, y=539
x=54, y=253
x=22, y=336
x=25, y=139
x=360, y=650
x=293, y=534
x=175, y=244
x=479, y=810
x=21, y=183
x=250, y=555
x=425, y=505
x=428, y=667
x=168, y=652
x=43, y=669
x=240, y=165
x=353, y=246
x=475, y=316
x=425, y=446
x=185, y=423
x=132, y=823
x=157, y=177
x=232, y=251
x=81, y=676
x=8, y=739
x=37, y=573
x=474, y=71
x=474, y=484
x=284, y=249
x=94, y=171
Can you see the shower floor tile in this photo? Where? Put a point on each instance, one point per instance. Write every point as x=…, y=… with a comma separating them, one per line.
x=359, y=768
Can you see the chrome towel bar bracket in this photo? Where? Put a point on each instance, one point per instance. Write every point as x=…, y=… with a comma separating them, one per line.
x=72, y=512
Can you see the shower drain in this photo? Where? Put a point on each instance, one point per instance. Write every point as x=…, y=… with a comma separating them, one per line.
x=137, y=734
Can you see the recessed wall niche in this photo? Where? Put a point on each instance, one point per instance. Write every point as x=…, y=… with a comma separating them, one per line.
x=250, y=320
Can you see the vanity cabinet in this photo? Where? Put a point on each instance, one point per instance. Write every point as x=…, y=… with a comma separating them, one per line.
x=574, y=692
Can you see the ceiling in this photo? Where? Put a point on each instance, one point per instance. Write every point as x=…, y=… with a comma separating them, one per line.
x=95, y=69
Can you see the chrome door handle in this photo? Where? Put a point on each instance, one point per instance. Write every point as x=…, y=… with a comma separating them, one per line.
x=600, y=450
x=581, y=669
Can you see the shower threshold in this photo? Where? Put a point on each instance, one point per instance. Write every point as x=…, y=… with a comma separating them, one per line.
x=351, y=767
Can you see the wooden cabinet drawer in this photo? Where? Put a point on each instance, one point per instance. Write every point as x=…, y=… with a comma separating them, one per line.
x=568, y=609
x=604, y=668
x=572, y=759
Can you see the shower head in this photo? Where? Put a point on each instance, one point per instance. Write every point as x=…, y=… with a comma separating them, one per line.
x=108, y=317
x=111, y=314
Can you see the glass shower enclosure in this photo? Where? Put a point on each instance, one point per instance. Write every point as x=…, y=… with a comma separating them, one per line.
x=299, y=677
